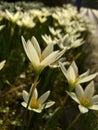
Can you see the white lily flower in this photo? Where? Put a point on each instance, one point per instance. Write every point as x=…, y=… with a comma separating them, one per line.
x=85, y=98
x=36, y=104
x=73, y=77
x=53, y=31
x=13, y=17
x=49, y=40
x=2, y=64
x=40, y=59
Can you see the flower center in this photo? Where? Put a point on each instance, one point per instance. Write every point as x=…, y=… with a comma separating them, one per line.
x=34, y=104
x=42, y=58
x=85, y=102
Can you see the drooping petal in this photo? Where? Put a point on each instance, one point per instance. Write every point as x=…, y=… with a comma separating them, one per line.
x=36, y=45
x=73, y=96
x=94, y=107
x=83, y=109
x=89, y=90
x=2, y=64
x=49, y=104
x=48, y=50
x=87, y=78
x=95, y=99
x=49, y=59
x=44, y=97
x=79, y=91
x=25, y=96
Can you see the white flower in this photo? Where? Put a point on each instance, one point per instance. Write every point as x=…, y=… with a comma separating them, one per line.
x=85, y=98
x=53, y=31
x=2, y=64
x=49, y=40
x=73, y=77
x=40, y=59
x=36, y=104
x=26, y=20
x=13, y=17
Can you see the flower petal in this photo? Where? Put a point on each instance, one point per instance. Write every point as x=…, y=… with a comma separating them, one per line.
x=36, y=45
x=25, y=96
x=49, y=59
x=83, y=109
x=31, y=52
x=95, y=99
x=94, y=107
x=71, y=73
x=48, y=50
x=2, y=64
x=44, y=97
x=89, y=90
x=73, y=96
x=84, y=74
x=75, y=67
x=35, y=93
x=63, y=69
x=37, y=110
x=49, y=104
x=79, y=91
x=87, y=78
x=24, y=104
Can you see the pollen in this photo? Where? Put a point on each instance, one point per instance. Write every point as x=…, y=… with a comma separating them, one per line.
x=42, y=58
x=85, y=102
x=35, y=104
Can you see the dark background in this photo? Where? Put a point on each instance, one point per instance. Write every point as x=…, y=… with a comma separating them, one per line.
x=85, y=3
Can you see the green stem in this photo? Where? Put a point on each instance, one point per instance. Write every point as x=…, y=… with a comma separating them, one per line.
x=74, y=121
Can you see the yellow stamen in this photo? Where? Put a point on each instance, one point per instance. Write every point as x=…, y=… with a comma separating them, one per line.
x=42, y=58
x=85, y=102
x=34, y=104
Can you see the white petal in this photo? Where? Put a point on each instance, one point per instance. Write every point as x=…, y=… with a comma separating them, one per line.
x=49, y=104
x=60, y=54
x=75, y=67
x=49, y=59
x=94, y=107
x=48, y=50
x=71, y=75
x=87, y=78
x=36, y=45
x=83, y=109
x=79, y=91
x=95, y=99
x=84, y=74
x=37, y=110
x=63, y=69
x=73, y=96
x=25, y=105
x=35, y=93
x=30, y=51
x=25, y=96
x=89, y=90
x=44, y=97
x=2, y=64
